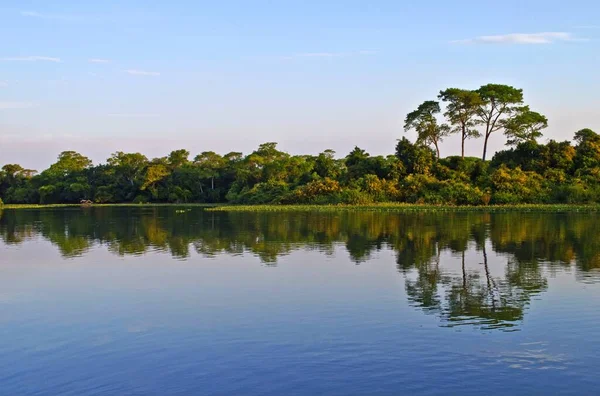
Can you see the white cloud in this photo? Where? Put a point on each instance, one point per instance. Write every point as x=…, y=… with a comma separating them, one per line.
x=31, y=59
x=521, y=38
x=58, y=17
x=137, y=72
x=98, y=60
x=328, y=54
x=3, y=84
x=15, y=105
x=133, y=115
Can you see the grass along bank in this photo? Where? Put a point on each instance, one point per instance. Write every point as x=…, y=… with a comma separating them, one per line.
x=119, y=205
x=381, y=207
x=399, y=207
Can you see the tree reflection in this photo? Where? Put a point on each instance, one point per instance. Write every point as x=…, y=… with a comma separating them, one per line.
x=479, y=269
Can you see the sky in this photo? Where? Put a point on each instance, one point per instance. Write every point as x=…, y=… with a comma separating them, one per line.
x=155, y=76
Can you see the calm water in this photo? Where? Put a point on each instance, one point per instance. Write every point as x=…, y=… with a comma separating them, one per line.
x=153, y=302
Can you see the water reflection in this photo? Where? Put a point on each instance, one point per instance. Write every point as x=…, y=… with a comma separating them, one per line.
x=476, y=269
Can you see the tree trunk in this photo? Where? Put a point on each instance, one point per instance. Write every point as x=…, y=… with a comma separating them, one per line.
x=437, y=150
x=464, y=137
x=212, y=183
x=485, y=142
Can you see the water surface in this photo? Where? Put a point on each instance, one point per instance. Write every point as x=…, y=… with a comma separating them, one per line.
x=158, y=301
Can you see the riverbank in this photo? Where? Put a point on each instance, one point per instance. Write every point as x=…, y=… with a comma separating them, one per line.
x=119, y=205
x=399, y=207
x=383, y=207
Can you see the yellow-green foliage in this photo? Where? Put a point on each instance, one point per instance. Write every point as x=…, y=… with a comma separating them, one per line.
x=516, y=185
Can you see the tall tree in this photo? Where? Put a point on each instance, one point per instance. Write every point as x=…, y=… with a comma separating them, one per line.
x=524, y=126
x=211, y=165
x=588, y=149
x=461, y=110
x=423, y=121
x=499, y=102
x=178, y=158
x=69, y=161
x=129, y=165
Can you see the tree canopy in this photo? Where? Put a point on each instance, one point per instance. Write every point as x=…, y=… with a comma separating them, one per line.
x=526, y=172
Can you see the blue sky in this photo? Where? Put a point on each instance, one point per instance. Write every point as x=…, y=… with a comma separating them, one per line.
x=153, y=76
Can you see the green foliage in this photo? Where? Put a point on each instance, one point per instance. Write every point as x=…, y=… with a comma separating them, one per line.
x=424, y=122
x=587, y=153
x=414, y=159
x=527, y=172
x=462, y=107
x=499, y=104
x=525, y=126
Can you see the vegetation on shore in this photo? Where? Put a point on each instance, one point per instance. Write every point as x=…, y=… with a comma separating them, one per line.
x=528, y=172
x=121, y=205
x=400, y=207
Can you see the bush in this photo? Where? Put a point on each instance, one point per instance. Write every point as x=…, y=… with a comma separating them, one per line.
x=324, y=191
x=1, y=203
x=518, y=186
x=576, y=193
x=380, y=190
x=416, y=188
x=355, y=197
x=505, y=198
x=140, y=199
x=104, y=195
x=457, y=193
x=271, y=192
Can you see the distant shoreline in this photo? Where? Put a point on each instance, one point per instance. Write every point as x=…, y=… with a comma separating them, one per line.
x=383, y=207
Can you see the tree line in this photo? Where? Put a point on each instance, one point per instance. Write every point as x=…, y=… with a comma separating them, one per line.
x=526, y=172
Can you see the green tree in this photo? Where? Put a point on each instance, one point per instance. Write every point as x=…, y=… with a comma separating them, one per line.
x=588, y=149
x=462, y=108
x=68, y=162
x=416, y=159
x=154, y=175
x=525, y=126
x=178, y=158
x=499, y=103
x=211, y=165
x=423, y=121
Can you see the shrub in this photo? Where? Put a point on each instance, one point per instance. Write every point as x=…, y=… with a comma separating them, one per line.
x=457, y=193
x=355, y=197
x=380, y=190
x=518, y=186
x=504, y=198
x=271, y=192
x=140, y=199
x=104, y=194
x=323, y=191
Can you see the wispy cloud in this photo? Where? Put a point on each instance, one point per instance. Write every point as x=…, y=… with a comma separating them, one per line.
x=137, y=72
x=327, y=54
x=3, y=84
x=133, y=115
x=31, y=59
x=98, y=60
x=16, y=105
x=522, y=38
x=58, y=17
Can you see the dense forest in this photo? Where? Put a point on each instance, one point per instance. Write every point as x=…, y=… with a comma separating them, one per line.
x=528, y=171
